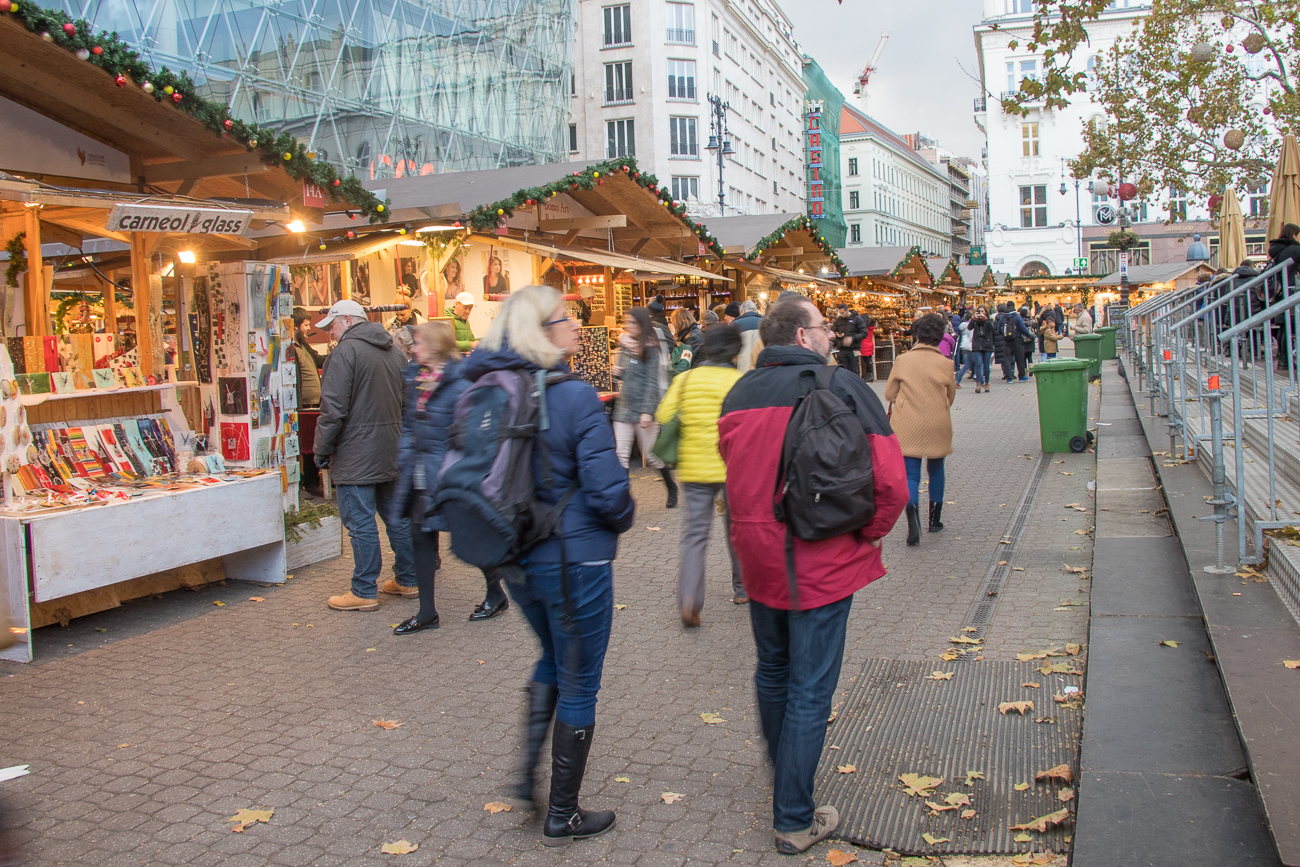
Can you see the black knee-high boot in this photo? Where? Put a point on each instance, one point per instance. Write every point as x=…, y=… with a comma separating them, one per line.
x=913, y=525
x=565, y=820
x=537, y=720
x=936, y=512
x=671, y=485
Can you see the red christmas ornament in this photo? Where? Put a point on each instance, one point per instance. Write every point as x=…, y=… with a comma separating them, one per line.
x=6, y=6
x=1268, y=109
x=1230, y=48
x=177, y=97
x=336, y=182
x=1215, y=201
x=120, y=81
x=456, y=224
x=600, y=183
x=96, y=51
x=351, y=234
x=573, y=187
x=1127, y=191
x=70, y=29
x=229, y=124
x=625, y=170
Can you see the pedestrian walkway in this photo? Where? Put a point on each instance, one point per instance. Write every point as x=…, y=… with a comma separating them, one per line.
x=143, y=739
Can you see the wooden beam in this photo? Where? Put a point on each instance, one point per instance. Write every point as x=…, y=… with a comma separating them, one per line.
x=613, y=221
x=83, y=226
x=345, y=281
x=571, y=237
x=609, y=294
x=636, y=248
x=141, y=292
x=59, y=235
x=215, y=167
x=35, y=302
x=661, y=232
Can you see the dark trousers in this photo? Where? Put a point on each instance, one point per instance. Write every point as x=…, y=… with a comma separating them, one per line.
x=1023, y=350
x=573, y=657
x=799, y=656
x=1008, y=362
x=848, y=361
x=427, y=563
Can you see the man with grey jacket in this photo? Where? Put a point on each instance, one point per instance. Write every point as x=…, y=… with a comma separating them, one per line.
x=356, y=440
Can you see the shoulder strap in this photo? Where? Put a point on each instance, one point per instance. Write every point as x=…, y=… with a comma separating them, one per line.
x=824, y=374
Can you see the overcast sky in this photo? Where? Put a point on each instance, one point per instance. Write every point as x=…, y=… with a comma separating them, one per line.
x=919, y=85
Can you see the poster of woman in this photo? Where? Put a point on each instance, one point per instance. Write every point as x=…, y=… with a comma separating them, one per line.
x=496, y=276
x=453, y=284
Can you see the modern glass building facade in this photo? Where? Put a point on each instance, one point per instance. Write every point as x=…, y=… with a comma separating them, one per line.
x=383, y=88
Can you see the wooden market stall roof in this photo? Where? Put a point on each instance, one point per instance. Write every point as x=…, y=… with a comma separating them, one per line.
x=357, y=248
x=637, y=264
x=976, y=276
x=781, y=274
x=187, y=146
x=782, y=240
x=892, y=263
x=944, y=271
x=1176, y=274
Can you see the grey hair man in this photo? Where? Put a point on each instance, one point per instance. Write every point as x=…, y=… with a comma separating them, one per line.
x=747, y=324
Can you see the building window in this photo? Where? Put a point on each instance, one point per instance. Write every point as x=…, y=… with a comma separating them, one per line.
x=681, y=23
x=682, y=139
x=573, y=138
x=1258, y=204
x=1029, y=139
x=363, y=155
x=621, y=136
x=853, y=200
x=618, y=25
x=686, y=188
x=1033, y=207
x=855, y=233
x=717, y=49
x=618, y=82
x=853, y=167
x=573, y=85
x=1177, y=204
x=681, y=79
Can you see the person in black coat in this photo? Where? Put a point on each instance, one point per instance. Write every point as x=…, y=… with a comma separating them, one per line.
x=982, y=345
x=1286, y=247
x=688, y=332
x=433, y=385
x=1000, y=353
x=850, y=331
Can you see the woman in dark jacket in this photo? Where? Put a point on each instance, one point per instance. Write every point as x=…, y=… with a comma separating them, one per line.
x=638, y=395
x=433, y=385
x=568, y=597
x=983, y=342
x=688, y=332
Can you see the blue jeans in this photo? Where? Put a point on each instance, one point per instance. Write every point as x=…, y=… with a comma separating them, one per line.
x=934, y=468
x=983, y=359
x=799, y=656
x=967, y=365
x=573, y=659
x=358, y=505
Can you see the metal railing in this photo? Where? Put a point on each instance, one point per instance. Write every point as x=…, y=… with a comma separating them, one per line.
x=1228, y=347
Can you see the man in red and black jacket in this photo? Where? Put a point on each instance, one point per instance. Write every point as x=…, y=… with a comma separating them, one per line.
x=799, y=652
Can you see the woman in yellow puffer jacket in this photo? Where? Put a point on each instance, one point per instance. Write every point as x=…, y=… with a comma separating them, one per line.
x=696, y=395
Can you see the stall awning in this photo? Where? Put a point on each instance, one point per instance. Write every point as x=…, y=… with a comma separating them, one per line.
x=784, y=275
x=345, y=252
x=605, y=259
x=937, y=291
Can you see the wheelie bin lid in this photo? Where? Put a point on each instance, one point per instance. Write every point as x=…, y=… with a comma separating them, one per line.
x=1060, y=365
x=1085, y=337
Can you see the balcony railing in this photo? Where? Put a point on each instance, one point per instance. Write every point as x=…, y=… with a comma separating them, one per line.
x=684, y=92
x=681, y=37
x=981, y=103
x=618, y=96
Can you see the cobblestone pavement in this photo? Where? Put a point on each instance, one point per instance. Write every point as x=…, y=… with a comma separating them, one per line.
x=145, y=737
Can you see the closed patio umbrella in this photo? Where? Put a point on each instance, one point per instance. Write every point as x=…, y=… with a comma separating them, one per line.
x=1232, y=232
x=1284, y=195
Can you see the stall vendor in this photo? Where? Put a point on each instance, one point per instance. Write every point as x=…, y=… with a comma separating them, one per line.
x=465, y=339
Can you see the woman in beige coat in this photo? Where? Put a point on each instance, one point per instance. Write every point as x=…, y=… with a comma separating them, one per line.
x=920, y=392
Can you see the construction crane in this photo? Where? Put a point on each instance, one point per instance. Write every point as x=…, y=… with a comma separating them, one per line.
x=865, y=77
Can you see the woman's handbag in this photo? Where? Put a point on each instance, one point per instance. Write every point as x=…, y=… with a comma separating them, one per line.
x=670, y=434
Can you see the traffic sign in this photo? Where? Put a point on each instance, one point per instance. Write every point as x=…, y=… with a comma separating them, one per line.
x=1080, y=263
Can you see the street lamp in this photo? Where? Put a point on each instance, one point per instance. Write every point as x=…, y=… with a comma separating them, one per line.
x=1078, y=215
x=719, y=142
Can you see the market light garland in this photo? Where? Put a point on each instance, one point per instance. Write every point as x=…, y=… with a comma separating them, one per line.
x=805, y=223
x=108, y=52
x=486, y=218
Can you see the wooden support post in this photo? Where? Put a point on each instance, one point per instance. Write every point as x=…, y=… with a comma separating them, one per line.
x=35, y=301
x=110, y=309
x=609, y=295
x=345, y=279
x=141, y=292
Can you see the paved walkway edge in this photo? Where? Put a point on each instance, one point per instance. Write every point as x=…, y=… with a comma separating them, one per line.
x=1251, y=632
x=1161, y=764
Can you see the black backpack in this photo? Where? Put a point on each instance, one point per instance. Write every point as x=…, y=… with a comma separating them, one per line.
x=825, y=483
x=486, y=488
x=1009, y=330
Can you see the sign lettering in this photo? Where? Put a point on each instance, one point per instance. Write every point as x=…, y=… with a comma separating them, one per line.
x=312, y=196
x=813, y=139
x=178, y=221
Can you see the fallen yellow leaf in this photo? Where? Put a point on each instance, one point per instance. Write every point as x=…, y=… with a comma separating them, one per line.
x=671, y=797
x=1062, y=472
x=1169, y=643
x=1020, y=707
x=1042, y=823
x=933, y=840
x=370, y=650
x=836, y=858
x=846, y=769
x=1065, y=795
x=957, y=799
x=1073, y=649
x=401, y=847
x=1060, y=772
x=920, y=785
x=653, y=529
x=1030, y=684
x=970, y=629
x=950, y=655
x=123, y=746
x=712, y=719
x=1020, y=787
x=1022, y=837
x=966, y=639
x=622, y=779
x=388, y=724
x=939, y=808
x=244, y=818
x=940, y=675
x=495, y=807
x=972, y=776
x=968, y=814
x=1291, y=663
x=619, y=607
x=219, y=604
x=1028, y=655
x=256, y=599
x=1057, y=668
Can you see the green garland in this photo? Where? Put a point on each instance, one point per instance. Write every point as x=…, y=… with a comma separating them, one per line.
x=115, y=57
x=897, y=271
x=487, y=218
x=17, y=259
x=800, y=222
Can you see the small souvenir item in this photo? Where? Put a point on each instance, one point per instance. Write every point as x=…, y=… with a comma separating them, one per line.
x=6, y=390
x=31, y=454
x=18, y=435
x=27, y=435
x=104, y=377
x=12, y=463
x=4, y=416
x=62, y=382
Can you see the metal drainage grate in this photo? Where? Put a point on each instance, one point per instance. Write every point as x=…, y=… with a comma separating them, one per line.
x=896, y=722
x=990, y=593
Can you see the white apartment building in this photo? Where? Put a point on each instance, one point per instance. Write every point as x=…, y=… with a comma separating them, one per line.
x=892, y=196
x=643, y=72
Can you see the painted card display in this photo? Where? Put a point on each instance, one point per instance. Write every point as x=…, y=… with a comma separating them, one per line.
x=105, y=378
x=61, y=383
x=34, y=355
x=234, y=441
x=33, y=383
x=234, y=395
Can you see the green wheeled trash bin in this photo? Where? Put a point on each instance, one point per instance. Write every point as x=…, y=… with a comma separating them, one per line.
x=1107, y=333
x=1062, y=385
x=1088, y=346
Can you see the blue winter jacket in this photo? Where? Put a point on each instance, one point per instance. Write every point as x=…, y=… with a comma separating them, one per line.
x=580, y=443
x=425, y=439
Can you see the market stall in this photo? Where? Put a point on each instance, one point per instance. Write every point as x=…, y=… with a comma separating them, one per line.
x=147, y=394
x=896, y=284
x=767, y=253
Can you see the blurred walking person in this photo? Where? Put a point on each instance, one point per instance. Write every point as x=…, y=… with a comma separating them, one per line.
x=638, y=396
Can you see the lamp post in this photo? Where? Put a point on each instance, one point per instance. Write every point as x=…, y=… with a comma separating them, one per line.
x=719, y=143
x=1078, y=213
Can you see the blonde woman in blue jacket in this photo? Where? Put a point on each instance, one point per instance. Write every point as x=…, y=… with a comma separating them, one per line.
x=696, y=398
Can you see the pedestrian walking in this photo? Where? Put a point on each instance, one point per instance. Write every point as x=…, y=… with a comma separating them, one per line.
x=982, y=342
x=568, y=597
x=965, y=342
x=1002, y=353
x=433, y=385
x=1021, y=339
x=695, y=400
x=747, y=324
x=637, y=372
x=1048, y=334
x=356, y=440
x=799, y=635
x=920, y=391
x=664, y=334
x=849, y=330
x=689, y=337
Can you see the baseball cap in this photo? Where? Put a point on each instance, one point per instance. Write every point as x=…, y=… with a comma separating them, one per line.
x=346, y=307
x=466, y=299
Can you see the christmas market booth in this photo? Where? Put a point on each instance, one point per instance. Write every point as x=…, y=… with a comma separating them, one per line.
x=768, y=253
x=1046, y=290
x=147, y=387
x=1146, y=281
x=978, y=281
x=605, y=234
